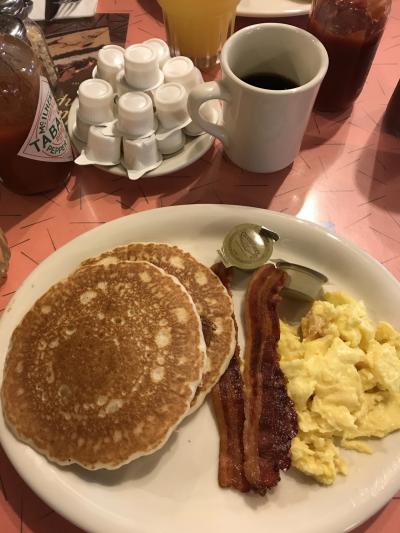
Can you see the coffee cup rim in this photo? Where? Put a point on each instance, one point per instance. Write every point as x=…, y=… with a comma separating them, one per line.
x=255, y=27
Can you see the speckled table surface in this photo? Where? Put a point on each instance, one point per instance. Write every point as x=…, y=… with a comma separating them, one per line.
x=346, y=178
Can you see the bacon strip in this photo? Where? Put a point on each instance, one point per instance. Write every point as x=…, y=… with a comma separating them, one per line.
x=270, y=416
x=227, y=397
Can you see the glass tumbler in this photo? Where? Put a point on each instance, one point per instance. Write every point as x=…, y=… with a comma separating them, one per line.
x=198, y=28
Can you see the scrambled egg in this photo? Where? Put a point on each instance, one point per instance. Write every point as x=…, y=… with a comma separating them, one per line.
x=344, y=377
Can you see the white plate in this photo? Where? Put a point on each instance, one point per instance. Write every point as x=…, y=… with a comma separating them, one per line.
x=195, y=147
x=176, y=490
x=273, y=8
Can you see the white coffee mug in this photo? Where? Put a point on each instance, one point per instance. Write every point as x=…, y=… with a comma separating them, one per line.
x=262, y=129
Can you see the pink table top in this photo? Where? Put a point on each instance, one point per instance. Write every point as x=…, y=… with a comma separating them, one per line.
x=347, y=178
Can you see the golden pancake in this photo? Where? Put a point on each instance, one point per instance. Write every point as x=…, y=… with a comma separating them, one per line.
x=212, y=301
x=104, y=365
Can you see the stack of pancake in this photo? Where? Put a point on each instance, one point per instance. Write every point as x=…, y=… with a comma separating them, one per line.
x=108, y=361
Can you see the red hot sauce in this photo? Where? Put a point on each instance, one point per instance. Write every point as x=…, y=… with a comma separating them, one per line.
x=350, y=30
x=35, y=151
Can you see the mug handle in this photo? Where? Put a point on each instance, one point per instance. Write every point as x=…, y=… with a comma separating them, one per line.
x=212, y=90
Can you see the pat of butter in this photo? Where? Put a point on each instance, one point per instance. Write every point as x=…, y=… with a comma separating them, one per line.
x=247, y=246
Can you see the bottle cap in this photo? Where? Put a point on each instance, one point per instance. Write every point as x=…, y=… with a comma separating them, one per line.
x=141, y=67
x=19, y=8
x=247, y=246
x=170, y=100
x=303, y=283
x=181, y=70
x=135, y=114
x=13, y=26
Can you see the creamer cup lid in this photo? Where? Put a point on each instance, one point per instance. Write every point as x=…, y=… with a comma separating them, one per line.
x=303, y=283
x=182, y=70
x=177, y=67
x=170, y=95
x=95, y=91
x=111, y=57
x=161, y=49
x=140, y=57
x=247, y=246
x=134, y=103
x=113, y=47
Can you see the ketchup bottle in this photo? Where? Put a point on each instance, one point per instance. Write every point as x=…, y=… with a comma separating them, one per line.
x=391, y=120
x=350, y=30
x=35, y=151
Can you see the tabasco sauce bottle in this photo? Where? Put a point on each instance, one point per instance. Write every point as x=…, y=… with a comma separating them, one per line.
x=35, y=151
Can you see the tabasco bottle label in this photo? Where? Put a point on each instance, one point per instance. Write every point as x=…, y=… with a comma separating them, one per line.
x=48, y=139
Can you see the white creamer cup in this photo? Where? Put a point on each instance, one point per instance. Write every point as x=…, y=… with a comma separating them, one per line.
x=96, y=101
x=142, y=71
x=161, y=49
x=140, y=156
x=181, y=70
x=135, y=114
x=122, y=86
x=114, y=47
x=170, y=100
x=81, y=130
x=140, y=153
x=103, y=149
x=110, y=61
x=169, y=143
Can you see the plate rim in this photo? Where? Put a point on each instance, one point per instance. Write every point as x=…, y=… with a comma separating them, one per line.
x=295, y=12
x=81, y=519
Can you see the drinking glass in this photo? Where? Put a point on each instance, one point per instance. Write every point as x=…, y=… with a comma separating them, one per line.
x=198, y=28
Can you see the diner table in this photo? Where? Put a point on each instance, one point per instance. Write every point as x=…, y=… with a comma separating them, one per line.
x=346, y=178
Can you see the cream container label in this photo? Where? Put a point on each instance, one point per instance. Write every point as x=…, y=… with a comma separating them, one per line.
x=48, y=139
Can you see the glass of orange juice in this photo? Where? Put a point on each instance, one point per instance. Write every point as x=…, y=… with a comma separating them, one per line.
x=198, y=28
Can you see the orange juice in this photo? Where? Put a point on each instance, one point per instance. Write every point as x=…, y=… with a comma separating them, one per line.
x=198, y=28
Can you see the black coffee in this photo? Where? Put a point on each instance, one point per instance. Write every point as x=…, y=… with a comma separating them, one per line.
x=269, y=80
